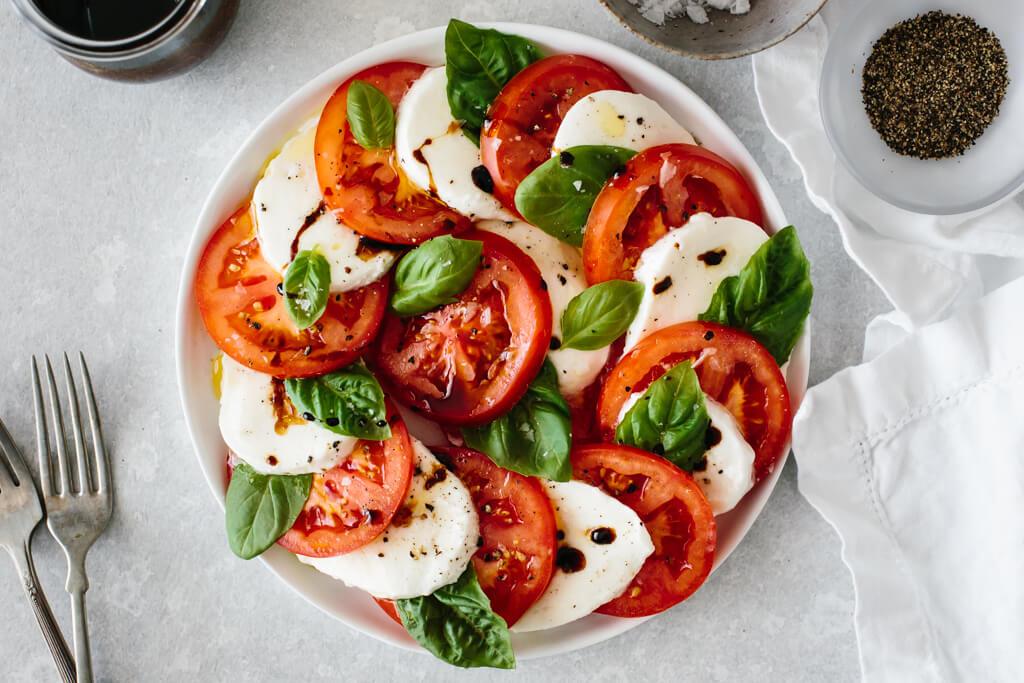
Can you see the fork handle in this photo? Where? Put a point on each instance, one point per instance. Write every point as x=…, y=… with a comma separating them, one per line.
x=41, y=608
x=83, y=657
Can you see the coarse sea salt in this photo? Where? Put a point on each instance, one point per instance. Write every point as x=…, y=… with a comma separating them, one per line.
x=660, y=11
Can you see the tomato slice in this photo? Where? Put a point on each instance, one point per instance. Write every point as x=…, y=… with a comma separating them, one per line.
x=469, y=361
x=516, y=560
x=245, y=315
x=733, y=368
x=352, y=503
x=366, y=185
x=659, y=189
x=523, y=119
x=675, y=513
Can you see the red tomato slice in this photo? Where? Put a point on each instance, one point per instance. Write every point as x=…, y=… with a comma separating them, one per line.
x=352, y=503
x=245, y=315
x=366, y=186
x=470, y=361
x=523, y=119
x=733, y=368
x=675, y=513
x=517, y=557
x=659, y=189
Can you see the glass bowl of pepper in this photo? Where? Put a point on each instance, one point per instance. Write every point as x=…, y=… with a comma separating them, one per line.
x=923, y=101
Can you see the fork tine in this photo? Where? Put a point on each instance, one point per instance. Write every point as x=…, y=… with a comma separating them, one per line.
x=15, y=462
x=42, y=440
x=84, y=478
x=6, y=470
x=58, y=432
x=102, y=468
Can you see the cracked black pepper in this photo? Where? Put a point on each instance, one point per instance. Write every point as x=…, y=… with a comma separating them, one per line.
x=933, y=84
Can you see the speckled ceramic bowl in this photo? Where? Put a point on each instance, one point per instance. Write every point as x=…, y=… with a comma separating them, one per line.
x=194, y=349
x=725, y=35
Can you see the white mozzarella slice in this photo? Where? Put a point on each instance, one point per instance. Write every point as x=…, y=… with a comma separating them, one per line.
x=260, y=425
x=286, y=195
x=339, y=244
x=621, y=119
x=428, y=549
x=728, y=471
x=434, y=153
x=681, y=271
x=614, y=545
x=562, y=269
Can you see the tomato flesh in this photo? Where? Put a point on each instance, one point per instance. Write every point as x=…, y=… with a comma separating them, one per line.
x=237, y=292
x=659, y=189
x=367, y=186
x=516, y=558
x=352, y=503
x=675, y=513
x=469, y=361
x=733, y=369
x=524, y=117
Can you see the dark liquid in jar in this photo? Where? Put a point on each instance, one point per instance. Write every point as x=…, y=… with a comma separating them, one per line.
x=107, y=20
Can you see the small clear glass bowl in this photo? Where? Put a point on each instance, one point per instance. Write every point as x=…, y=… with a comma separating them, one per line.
x=990, y=170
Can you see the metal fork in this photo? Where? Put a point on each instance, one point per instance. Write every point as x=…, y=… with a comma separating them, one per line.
x=76, y=514
x=20, y=513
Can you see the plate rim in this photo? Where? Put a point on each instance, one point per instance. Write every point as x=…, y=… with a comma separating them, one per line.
x=594, y=628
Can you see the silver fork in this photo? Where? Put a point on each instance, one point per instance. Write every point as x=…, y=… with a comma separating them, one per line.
x=76, y=514
x=20, y=513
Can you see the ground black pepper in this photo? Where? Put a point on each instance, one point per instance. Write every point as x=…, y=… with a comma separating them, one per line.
x=933, y=84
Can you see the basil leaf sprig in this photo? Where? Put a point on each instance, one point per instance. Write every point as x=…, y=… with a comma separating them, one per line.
x=307, y=282
x=600, y=314
x=457, y=625
x=370, y=116
x=534, y=438
x=434, y=273
x=349, y=401
x=261, y=508
x=557, y=195
x=669, y=419
x=771, y=296
x=478, y=64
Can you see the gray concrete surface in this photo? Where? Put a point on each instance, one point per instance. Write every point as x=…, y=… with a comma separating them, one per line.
x=100, y=184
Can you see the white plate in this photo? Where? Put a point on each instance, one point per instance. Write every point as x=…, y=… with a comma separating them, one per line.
x=194, y=348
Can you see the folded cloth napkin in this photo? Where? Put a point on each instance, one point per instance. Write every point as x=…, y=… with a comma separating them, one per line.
x=917, y=459
x=917, y=456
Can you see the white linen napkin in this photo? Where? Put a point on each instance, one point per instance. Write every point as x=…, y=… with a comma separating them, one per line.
x=917, y=456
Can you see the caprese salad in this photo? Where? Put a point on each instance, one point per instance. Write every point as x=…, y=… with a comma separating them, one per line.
x=499, y=341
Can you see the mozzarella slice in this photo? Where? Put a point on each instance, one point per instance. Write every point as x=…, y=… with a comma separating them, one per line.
x=434, y=153
x=728, y=471
x=622, y=119
x=352, y=265
x=427, y=548
x=613, y=544
x=286, y=195
x=681, y=271
x=260, y=425
x=562, y=269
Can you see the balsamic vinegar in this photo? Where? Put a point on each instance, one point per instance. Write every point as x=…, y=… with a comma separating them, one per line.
x=107, y=20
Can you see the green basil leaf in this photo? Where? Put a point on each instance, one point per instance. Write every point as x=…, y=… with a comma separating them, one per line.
x=434, y=273
x=307, y=282
x=478, y=64
x=348, y=401
x=669, y=419
x=770, y=298
x=558, y=194
x=370, y=116
x=599, y=315
x=534, y=438
x=261, y=508
x=457, y=625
